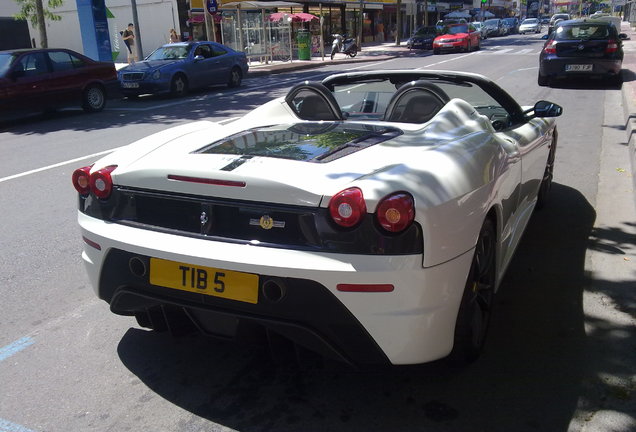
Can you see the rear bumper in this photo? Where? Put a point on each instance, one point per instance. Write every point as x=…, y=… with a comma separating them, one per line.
x=555, y=66
x=412, y=324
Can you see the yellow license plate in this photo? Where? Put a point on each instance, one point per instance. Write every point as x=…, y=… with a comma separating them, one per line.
x=204, y=280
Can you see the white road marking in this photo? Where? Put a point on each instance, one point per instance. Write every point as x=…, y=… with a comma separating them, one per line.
x=59, y=164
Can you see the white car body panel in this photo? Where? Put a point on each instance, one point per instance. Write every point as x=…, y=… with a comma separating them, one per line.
x=456, y=166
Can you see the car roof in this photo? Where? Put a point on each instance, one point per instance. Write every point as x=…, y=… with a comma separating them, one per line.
x=27, y=50
x=584, y=21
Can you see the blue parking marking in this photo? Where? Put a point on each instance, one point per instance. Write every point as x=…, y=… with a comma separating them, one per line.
x=7, y=426
x=15, y=347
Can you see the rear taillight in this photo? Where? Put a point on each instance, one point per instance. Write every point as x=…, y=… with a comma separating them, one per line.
x=81, y=180
x=550, y=48
x=396, y=212
x=347, y=208
x=101, y=183
x=612, y=46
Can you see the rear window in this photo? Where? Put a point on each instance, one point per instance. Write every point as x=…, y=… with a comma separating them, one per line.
x=583, y=31
x=316, y=142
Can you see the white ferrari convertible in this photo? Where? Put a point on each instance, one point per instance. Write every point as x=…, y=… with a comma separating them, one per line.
x=369, y=217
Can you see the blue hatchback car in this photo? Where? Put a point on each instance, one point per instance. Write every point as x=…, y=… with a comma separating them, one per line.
x=176, y=68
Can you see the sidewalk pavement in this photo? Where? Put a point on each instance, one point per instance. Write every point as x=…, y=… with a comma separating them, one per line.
x=369, y=53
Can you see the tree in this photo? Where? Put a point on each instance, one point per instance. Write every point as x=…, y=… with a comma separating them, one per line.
x=34, y=11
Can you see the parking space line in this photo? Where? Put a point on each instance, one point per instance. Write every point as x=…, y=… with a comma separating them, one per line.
x=37, y=170
x=15, y=347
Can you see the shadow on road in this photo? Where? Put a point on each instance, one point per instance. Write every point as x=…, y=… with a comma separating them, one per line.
x=534, y=374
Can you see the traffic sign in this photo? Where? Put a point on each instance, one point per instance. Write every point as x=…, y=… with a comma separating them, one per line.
x=211, y=6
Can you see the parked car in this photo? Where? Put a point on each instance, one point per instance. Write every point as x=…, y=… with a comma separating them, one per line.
x=422, y=38
x=36, y=80
x=555, y=20
x=512, y=25
x=372, y=238
x=494, y=27
x=582, y=47
x=175, y=68
x=530, y=25
x=481, y=28
x=457, y=37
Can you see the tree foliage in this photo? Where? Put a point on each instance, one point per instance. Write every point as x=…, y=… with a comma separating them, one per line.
x=28, y=11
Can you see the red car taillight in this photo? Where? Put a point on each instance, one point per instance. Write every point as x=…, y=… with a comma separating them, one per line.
x=550, y=48
x=396, y=212
x=101, y=183
x=612, y=47
x=347, y=208
x=81, y=180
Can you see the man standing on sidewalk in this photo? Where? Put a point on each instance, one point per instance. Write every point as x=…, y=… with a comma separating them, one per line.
x=129, y=39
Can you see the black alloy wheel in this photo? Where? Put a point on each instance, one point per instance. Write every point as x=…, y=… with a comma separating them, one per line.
x=179, y=85
x=236, y=77
x=477, y=301
x=93, y=98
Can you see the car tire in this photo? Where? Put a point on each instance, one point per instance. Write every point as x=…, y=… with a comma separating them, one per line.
x=543, y=80
x=179, y=85
x=475, y=308
x=469, y=46
x=333, y=53
x=352, y=54
x=478, y=47
x=93, y=98
x=548, y=175
x=236, y=77
x=435, y=51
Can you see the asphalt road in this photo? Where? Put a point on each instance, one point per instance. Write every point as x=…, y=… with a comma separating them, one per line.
x=68, y=364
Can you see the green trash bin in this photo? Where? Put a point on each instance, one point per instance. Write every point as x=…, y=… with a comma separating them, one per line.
x=303, y=39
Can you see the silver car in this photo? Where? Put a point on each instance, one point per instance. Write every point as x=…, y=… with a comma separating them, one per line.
x=530, y=25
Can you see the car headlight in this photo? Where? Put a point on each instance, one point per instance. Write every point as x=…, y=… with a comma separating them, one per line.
x=156, y=75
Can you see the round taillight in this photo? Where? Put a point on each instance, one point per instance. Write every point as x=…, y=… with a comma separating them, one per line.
x=347, y=208
x=396, y=212
x=101, y=183
x=81, y=180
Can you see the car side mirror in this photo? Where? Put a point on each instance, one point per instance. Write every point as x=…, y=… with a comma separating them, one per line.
x=623, y=36
x=547, y=109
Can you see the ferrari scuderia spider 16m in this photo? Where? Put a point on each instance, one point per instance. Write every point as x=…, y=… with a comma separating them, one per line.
x=369, y=217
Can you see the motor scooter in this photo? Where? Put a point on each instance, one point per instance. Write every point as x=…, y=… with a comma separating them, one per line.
x=341, y=43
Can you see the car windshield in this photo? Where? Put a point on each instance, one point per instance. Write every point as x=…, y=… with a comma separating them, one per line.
x=529, y=21
x=425, y=31
x=172, y=52
x=6, y=60
x=369, y=100
x=509, y=20
x=492, y=22
x=456, y=29
x=584, y=31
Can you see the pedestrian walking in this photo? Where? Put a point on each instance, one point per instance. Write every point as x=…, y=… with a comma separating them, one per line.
x=128, y=36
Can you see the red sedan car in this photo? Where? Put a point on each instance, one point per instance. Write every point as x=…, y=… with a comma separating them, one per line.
x=457, y=37
x=33, y=80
